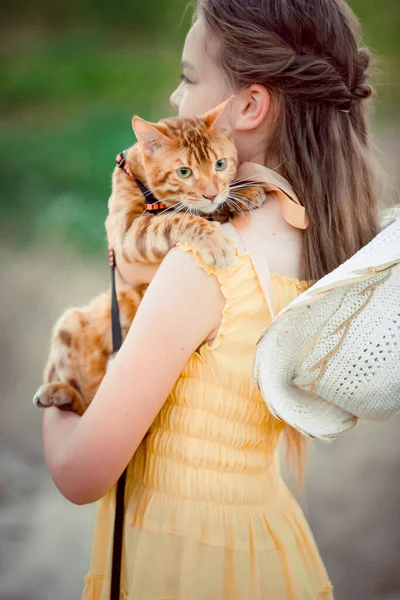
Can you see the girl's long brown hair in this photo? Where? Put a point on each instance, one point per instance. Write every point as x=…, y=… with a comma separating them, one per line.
x=306, y=53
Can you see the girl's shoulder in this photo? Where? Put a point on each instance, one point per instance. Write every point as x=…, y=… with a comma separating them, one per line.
x=283, y=244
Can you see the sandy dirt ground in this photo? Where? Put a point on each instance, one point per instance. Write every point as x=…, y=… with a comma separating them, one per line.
x=352, y=495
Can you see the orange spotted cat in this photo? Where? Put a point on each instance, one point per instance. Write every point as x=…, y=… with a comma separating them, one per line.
x=189, y=164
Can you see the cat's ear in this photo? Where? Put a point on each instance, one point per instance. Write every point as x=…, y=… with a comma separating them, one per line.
x=218, y=118
x=151, y=136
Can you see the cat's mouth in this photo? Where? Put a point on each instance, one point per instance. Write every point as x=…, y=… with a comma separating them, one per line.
x=209, y=206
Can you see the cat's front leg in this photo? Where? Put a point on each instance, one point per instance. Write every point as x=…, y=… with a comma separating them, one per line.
x=151, y=237
x=62, y=395
x=80, y=350
x=207, y=238
x=64, y=384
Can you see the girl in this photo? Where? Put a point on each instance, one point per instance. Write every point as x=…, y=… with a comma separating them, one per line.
x=207, y=513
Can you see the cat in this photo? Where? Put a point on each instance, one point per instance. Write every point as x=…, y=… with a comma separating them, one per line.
x=189, y=164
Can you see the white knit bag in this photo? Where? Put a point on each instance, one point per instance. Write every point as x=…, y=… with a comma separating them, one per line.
x=332, y=356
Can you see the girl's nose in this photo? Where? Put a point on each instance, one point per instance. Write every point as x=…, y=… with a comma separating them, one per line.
x=174, y=98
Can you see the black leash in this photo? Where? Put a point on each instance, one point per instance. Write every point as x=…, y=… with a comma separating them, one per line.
x=120, y=493
x=154, y=206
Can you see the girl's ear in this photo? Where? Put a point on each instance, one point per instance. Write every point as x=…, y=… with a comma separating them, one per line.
x=253, y=107
x=219, y=118
x=151, y=136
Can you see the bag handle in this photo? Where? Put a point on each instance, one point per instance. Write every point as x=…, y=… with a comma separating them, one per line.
x=244, y=224
x=292, y=211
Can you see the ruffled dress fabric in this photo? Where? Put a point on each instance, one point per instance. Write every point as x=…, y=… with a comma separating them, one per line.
x=208, y=516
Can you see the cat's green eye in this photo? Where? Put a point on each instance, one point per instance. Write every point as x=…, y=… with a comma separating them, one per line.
x=184, y=172
x=221, y=164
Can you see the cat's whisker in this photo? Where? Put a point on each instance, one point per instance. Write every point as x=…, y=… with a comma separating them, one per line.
x=245, y=185
x=233, y=204
x=239, y=189
x=242, y=201
x=178, y=209
x=152, y=192
x=279, y=166
x=249, y=177
x=163, y=211
x=238, y=193
x=164, y=199
x=148, y=193
x=243, y=180
x=244, y=212
x=235, y=197
x=235, y=209
x=172, y=215
x=242, y=195
x=241, y=205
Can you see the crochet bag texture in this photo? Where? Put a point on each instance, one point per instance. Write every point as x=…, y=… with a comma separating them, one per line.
x=333, y=355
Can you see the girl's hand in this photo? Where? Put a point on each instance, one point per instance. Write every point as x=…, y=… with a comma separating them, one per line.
x=134, y=275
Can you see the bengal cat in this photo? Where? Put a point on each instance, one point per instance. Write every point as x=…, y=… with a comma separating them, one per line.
x=189, y=164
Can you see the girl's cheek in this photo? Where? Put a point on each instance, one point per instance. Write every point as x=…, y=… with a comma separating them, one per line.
x=196, y=101
x=185, y=106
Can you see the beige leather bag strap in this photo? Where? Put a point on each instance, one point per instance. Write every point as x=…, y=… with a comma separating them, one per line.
x=244, y=224
x=291, y=209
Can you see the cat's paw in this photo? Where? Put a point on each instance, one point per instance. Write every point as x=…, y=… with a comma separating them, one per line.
x=61, y=395
x=253, y=197
x=219, y=252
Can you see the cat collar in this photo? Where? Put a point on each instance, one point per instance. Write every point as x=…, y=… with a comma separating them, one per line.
x=152, y=204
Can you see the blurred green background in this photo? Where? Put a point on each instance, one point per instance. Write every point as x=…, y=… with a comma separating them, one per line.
x=73, y=74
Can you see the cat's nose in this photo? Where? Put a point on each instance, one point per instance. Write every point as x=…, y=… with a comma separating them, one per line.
x=210, y=197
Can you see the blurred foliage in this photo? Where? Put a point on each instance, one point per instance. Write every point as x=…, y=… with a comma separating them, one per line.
x=73, y=74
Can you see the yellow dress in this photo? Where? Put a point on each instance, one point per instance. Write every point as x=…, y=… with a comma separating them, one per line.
x=208, y=516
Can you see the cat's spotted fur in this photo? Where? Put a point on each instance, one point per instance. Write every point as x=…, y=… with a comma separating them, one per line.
x=81, y=343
